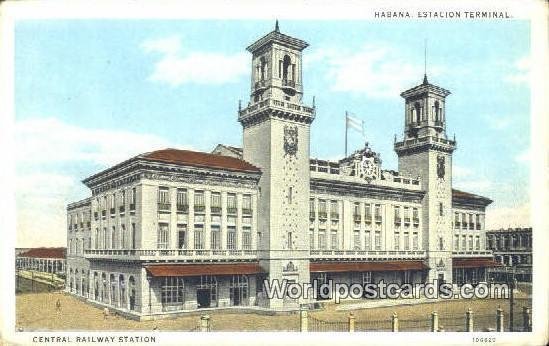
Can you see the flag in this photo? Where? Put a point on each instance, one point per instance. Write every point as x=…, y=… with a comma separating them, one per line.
x=355, y=123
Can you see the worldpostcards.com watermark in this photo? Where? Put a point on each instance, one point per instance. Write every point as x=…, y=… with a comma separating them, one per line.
x=281, y=289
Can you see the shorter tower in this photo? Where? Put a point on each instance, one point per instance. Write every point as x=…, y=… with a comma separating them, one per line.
x=426, y=152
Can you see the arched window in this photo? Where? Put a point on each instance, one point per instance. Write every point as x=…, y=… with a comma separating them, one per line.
x=263, y=68
x=286, y=63
x=417, y=113
x=437, y=112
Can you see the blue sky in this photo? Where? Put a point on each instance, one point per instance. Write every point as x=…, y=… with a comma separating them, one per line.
x=90, y=93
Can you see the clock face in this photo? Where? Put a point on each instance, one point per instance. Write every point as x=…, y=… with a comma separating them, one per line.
x=290, y=140
x=368, y=168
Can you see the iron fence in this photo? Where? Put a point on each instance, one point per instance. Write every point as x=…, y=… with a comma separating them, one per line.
x=316, y=325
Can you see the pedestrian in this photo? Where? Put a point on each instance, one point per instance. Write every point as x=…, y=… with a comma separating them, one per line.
x=105, y=313
x=58, y=305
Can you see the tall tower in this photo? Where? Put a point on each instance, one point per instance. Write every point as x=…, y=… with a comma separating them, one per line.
x=426, y=152
x=276, y=126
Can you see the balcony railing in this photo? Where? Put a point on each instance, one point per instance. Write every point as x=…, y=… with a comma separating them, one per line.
x=113, y=212
x=457, y=225
x=103, y=214
x=169, y=254
x=363, y=254
x=164, y=207
x=132, y=207
x=473, y=253
x=368, y=218
x=398, y=220
x=183, y=208
x=357, y=218
x=407, y=220
x=322, y=215
x=231, y=210
x=288, y=83
x=247, y=211
x=215, y=210
x=199, y=208
x=122, y=209
x=378, y=219
x=260, y=84
x=334, y=216
x=312, y=215
x=415, y=220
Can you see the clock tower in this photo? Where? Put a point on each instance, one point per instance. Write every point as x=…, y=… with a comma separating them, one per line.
x=276, y=126
x=426, y=152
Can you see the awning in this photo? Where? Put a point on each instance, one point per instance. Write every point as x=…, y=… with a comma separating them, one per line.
x=366, y=266
x=204, y=269
x=474, y=262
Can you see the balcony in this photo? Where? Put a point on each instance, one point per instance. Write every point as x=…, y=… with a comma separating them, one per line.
x=415, y=221
x=260, y=84
x=312, y=215
x=473, y=253
x=457, y=225
x=322, y=215
x=247, y=211
x=286, y=83
x=334, y=216
x=368, y=219
x=398, y=220
x=231, y=210
x=132, y=207
x=215, y=210
x=407, y=220
x=183, y=208
x=112, y=211
x=464, y=225
x=164, y=207
x=179, y=255
x=103, y=214
x=379, y=219
x=199, y=208
x=364, y=255
x=357, y=218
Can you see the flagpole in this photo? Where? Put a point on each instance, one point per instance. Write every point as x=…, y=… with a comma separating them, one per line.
x=346, y=116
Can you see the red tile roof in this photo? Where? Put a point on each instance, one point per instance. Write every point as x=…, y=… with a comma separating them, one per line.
x=202, y=269
x=199, y=159
x=365, y=266
x=45, y=252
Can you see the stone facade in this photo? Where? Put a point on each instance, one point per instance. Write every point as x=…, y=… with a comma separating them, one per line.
x=173, y=230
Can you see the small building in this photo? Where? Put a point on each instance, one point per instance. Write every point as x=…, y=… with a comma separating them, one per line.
x=42, y=259
x=512, y=248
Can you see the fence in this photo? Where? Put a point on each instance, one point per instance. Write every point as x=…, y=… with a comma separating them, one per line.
x=316, y=325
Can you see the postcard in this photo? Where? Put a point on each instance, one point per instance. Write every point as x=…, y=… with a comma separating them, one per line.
x=318, y=172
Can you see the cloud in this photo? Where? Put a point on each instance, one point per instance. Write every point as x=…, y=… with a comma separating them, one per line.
x=504, y=217
x=525, y=156
x=176, y=67
x=49, y=140
x=520, y=71
x=45, y=148
x=376, y=70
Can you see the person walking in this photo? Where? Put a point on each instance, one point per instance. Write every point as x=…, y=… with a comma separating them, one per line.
x=58, y=305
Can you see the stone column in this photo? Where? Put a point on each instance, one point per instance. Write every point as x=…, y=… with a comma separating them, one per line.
x=499, y=320
x=351, y=323
x=394, y=322
x=469, y=320
x=304, y=320
x=527, y=322
x=434, y=321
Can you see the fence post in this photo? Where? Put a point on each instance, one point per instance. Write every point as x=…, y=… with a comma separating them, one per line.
x=527, y=322
x=499, y=319
x=394, y=322
x=351, y=322
x=434, y=321
x=469, y=320
x=304, y=320
x=205, y=323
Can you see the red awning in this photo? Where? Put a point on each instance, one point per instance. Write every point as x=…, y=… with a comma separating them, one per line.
x=366, y=266
x=474, y=262
x=204, y=269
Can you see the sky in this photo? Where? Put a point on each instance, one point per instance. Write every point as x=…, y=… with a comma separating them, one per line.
x=92, y=93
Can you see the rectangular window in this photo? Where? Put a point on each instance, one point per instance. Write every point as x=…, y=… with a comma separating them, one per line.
x=247, y=205
x=199, y=203
x=199, y=236
x=123, y=236
x=246, y=238
x=464, y=242
x=215, y=239
x=322, y=240
x=415, y=241
x=457, y=224
x=356, y=240
x=378, y=213
x=182, y=201
x=322, y=209
x=231, y=237
x=172, y=292
x=182, y=236
x=368, y=213
x=231, y=203
x=463, y=221
x=456, y=242
x=334, y=210
x=311, y=239
x=132, y=236
x=290, y=240
x=397, y=241
x=366, y=278
x=471, y=223
x=406, y=241
x=415, y=216
x=333, y=240
x=164, y=199
x=112, y=204
x=477, y=242
x=440, y=209
x=356, y=213
x=477, y=216
x=398, y=220
x=133, y=197
x=470, y=242
x=163, y=236
x=378, y=240
x=367, y=242
x=215, y=206
x=312, y=209
x=406, y=216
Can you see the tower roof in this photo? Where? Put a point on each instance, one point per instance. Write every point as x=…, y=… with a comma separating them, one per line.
x=425, y=87
x=276, y=36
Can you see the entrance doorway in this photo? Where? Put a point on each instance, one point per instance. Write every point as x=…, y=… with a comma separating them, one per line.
x=206, y=292
x=203, y=297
